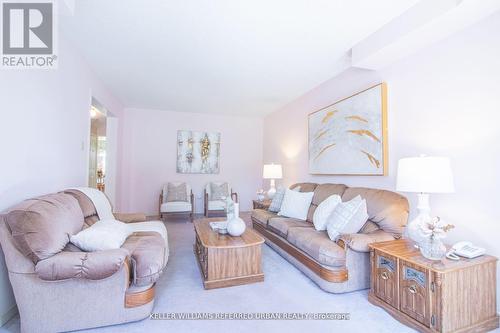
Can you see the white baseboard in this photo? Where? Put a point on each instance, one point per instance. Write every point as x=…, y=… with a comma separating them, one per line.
x=8, y=315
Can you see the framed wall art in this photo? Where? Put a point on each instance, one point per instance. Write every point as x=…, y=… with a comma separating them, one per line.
x=349, y=137
x=198, y=152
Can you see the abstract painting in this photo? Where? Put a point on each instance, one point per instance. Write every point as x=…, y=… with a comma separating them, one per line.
x=198, y=152
x=349, y=136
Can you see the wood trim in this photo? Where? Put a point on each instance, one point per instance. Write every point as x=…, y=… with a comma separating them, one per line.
x=230, y=282
x=340, y=275
x=140, y=298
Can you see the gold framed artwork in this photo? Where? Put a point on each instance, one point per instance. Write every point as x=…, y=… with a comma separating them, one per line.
x=349, y=137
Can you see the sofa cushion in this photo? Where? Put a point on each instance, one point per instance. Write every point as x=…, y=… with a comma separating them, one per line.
x=387, y=209
x=304, y=187
x=148, y=255
x=41, y=227
x=81, y=265
x=281, y=225
x=321, y=192
x=262, y=216
x=88, y=209
x=359, y=242
x=317, y=245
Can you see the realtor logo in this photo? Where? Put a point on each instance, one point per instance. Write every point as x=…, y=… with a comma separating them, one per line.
x=28, y=35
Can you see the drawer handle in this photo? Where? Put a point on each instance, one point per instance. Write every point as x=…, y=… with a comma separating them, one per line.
x=413, y=289
x=384, y=275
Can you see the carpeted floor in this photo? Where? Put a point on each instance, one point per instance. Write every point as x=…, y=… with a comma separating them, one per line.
x=285, y=289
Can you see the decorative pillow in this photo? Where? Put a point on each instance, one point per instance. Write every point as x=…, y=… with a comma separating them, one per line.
x=218, y=192
x=347, y=218
x=102, y=235
x=41, y=227
x=296, y=204
x=176, y=192
x=278, y=199
x=324, y=210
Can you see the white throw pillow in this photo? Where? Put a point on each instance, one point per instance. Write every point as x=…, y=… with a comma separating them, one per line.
x=324, y=210
x=347, y=218
x=102, y=235
x=278, y=199
x=296, y=204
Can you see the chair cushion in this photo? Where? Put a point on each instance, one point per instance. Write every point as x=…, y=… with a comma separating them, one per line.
x=175, y=206
x=81, y=265
x=165, y=191
x=87, y=206
x=281, y=225
x=262, y=216
x=304, y=187
x=176, y=192
x=216, y=205
x=41, y=227
x=387, y=209
x=317, y=245
x=219, y=191
x=148, y=256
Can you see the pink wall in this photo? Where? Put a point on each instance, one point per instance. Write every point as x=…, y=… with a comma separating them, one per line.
x=150, y=152
x=445, y=100
x=44, y=130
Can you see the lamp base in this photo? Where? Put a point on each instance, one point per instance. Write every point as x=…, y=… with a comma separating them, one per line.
x=272, y=190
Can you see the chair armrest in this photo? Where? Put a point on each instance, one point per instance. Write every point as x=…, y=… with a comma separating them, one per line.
x=81, y=265
x=192, y=202
x=234, y=196
x=359, y=242
x=160, y=201
x=130, y=217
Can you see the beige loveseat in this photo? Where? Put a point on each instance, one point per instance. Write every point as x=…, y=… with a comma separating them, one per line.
x=340, y=266
x=57, y=286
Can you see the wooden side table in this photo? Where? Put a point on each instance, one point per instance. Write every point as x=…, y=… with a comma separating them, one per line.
x=433, y=296
x=264, y=204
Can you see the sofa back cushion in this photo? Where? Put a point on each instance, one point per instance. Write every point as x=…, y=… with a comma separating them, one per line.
x=305, y=187
x=41, y=227
x=87, y=206
x=389, y=210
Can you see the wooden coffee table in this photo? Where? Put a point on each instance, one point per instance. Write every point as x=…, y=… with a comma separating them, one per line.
x=224, y=260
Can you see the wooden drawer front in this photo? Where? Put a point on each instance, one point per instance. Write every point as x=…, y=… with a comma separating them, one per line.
x=414, y=292
x=202, y=256
x=386, y=278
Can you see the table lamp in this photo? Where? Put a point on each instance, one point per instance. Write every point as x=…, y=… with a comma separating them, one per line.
x=272, y=172
x=423, y=175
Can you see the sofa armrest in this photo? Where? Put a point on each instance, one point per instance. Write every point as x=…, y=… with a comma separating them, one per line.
x=359, y=242
x=81, y=265
x=130, y=217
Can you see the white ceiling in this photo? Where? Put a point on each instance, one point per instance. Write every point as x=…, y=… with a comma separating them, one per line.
x=220, y=56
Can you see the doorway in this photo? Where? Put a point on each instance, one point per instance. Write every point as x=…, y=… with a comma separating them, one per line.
x=102, y=150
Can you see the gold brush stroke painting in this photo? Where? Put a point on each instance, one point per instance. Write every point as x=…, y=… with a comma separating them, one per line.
x=349, y=136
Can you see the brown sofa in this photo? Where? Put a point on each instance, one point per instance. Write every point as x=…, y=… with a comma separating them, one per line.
x=57, y=286
x=340, y=266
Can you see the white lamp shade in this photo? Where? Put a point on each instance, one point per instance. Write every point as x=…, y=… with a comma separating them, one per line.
x=425, y=175
x=272, y=171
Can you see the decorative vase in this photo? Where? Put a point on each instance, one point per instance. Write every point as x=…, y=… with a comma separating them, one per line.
x=432, y=248
x=235, y=225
